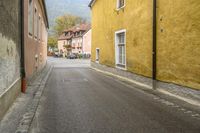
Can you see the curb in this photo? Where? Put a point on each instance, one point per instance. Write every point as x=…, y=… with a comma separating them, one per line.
x=161, y=90
x=28, y=117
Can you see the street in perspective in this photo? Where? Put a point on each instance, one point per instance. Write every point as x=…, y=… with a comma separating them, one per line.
x=99, y=66
x=82, y=100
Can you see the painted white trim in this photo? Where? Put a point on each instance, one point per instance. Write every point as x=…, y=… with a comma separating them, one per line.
x=116, y=55
x=122, y=68
x=93, y=2
x=30, y=36
x=120, y=31
x=96, y=55
x=10, y=87
x=119, y=8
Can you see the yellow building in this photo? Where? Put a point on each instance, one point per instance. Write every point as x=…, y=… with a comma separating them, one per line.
x=122, y=38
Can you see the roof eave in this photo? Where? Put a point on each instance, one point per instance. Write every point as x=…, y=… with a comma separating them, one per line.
x=45, y=10
x=87, y=31
x=92, y=2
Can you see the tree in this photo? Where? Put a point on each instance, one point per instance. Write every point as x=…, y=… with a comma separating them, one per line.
x=66, y=21
x=52, y=42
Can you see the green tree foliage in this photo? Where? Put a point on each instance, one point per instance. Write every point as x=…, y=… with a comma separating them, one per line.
x=66, y=21
x=52, y=42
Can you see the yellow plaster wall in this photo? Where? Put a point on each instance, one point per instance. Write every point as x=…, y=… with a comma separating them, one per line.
x=179, y=43
x=136, y=19
x=178, y=34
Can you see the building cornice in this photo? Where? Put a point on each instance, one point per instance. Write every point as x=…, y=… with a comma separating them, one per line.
x=92, y=2
x=44, y=9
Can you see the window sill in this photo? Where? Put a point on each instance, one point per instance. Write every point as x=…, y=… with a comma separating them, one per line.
x=35, y=38
x=120, y=8
x=30, y=35
x=120, y=66
x=97, y=61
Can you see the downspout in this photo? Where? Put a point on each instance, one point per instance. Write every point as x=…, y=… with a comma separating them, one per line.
x=23, y=81
x=154, y=49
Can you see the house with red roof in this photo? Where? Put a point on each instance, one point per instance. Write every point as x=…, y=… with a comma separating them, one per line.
x=71, y=40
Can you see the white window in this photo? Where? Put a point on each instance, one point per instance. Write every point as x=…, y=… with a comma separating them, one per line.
x=120, y=4
x=97, y=55
x=30, y=17
x=120, y=49
x=35, y=23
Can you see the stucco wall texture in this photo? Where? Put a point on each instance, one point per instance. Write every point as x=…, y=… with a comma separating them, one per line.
x=61, y=44
x=9, y=43
x=34, y=47
x=87, y=42
x=178, y=43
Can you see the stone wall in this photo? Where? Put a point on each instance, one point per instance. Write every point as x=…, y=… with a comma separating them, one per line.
x=9, y=43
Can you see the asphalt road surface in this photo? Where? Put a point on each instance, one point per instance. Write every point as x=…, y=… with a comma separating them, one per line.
x=81, y=100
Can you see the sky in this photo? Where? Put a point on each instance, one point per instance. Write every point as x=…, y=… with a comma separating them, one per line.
x=57, y=8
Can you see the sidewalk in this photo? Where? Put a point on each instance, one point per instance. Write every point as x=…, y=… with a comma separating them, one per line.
x=21, y=113
x=185, y=94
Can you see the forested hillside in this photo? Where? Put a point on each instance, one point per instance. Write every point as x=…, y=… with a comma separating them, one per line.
x=57, y=8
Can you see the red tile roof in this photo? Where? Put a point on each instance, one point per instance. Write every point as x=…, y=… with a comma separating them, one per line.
x=82, y=27
x=75, y=29
x=65, y=37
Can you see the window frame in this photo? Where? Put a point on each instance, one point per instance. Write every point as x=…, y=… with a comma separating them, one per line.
x=118, y=3
x=36, y=23
x=117, y=64
x=39, y=27
x=30, y=8
x=97, y=55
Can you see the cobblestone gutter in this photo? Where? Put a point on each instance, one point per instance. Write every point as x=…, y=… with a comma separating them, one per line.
x=20, y=115
x=28, y=117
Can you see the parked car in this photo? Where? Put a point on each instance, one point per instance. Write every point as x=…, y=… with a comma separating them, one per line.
x=57, y=54
x=72, y=56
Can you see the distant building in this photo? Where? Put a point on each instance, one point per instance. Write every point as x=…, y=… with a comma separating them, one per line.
x=71, y=41
x=23, y=46
x=87, y=42
x=131, y=40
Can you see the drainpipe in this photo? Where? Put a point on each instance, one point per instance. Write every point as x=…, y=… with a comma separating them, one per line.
x=23, y=80
x=154, y=49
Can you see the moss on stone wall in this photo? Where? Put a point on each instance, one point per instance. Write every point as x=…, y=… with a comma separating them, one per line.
x=10, y=40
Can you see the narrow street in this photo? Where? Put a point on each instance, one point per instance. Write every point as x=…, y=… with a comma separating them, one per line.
x=99, y=66
x=77, y=99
